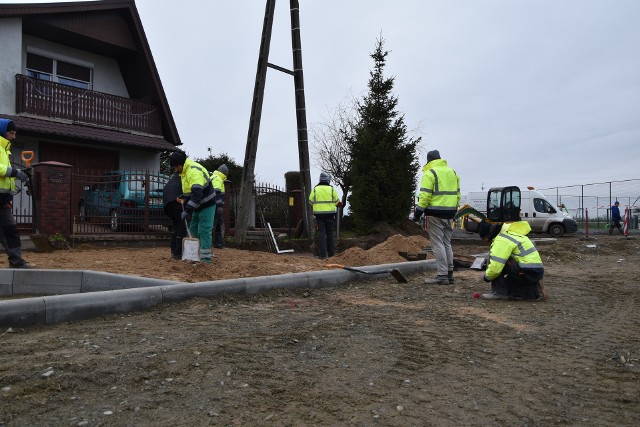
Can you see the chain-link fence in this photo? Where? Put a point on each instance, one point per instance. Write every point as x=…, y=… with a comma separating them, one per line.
x=596, y=199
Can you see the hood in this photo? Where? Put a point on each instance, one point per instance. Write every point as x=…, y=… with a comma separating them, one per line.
x=519, y=227
x=434, y=163
x=3, y=126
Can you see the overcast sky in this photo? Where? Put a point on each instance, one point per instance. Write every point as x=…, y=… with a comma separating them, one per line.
x=526, y=92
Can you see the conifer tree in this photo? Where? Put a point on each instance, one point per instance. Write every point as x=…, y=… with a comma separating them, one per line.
x=383, y=156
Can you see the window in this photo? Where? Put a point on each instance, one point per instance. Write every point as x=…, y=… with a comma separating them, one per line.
x=542, y=206
x=55, y=70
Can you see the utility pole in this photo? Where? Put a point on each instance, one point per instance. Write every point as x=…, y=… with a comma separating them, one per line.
x=301, y=110
x=248, y=175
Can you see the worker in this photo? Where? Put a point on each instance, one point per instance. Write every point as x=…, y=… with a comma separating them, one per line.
x=615, y=218
x=200, y=200
x=173, y=209
x=324, y=202
x=515, y=268
x=439, y=200
x=9, y=235
x=218, y=177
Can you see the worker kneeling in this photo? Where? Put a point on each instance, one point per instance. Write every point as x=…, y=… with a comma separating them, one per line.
x=515, y=268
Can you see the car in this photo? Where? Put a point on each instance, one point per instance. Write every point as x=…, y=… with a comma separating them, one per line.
x=119, y=198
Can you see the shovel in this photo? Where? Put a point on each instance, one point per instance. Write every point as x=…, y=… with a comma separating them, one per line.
x=394, y=272
x=190, y=245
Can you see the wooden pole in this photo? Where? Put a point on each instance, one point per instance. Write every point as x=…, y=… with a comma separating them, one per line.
x=301, y=112
x=248, y=175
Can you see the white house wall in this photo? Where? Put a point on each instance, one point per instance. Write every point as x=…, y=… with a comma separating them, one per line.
x=139, y=160
x=10, y=64
x=107, y=77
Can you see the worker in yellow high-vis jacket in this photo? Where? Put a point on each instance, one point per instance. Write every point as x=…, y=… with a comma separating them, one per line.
x=324, y=201
x=515, y=267
x=439, y=200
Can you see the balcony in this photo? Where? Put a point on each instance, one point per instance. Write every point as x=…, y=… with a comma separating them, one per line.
x=53, y=100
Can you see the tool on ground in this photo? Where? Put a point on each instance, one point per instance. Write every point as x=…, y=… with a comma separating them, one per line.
x=272, y=244
x=190, y=245
x=394, y=272
x=275, y=243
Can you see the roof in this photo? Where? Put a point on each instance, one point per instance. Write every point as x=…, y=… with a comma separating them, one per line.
x=88, y=135
x=108, y=27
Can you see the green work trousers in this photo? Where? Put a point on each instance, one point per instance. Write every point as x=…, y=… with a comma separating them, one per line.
x=201, y=227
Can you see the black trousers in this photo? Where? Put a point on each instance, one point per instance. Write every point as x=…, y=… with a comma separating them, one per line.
x=178, y=227
x=10, y=237
x=326, y=242
x=218, y=229
x=518, y=283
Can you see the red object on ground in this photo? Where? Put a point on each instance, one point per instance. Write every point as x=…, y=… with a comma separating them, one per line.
x=476, y=295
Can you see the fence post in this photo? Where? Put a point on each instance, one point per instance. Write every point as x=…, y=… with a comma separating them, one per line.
x=586, y=223
x=626, y=222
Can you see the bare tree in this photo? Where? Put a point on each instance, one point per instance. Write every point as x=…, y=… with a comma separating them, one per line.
x=330, y=147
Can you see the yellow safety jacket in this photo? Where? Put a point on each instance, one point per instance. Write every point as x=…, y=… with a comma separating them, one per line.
x=512, y=242
x=7, y=183
x=439, y=190
x=324, y=199
x=196, y=184
x=217, y=179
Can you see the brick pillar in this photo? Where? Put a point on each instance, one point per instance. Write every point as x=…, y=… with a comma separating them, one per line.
x=52, y=210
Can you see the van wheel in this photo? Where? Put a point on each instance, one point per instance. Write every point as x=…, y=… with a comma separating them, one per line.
x=113, y=223
x=556, y=230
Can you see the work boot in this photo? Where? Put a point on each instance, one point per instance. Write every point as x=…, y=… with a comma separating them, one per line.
x=450, y=276
x=496, y=296
x=438, y=280
x=25, y=266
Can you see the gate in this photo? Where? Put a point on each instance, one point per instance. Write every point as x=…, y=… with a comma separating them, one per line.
x=270, y=205
x=22, y=209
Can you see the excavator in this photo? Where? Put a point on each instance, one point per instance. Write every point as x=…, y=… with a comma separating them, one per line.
x=503, y=205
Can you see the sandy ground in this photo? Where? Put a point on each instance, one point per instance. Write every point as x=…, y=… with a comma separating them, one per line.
x=370, y=353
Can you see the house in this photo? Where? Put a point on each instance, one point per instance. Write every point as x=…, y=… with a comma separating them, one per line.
x=79, y=81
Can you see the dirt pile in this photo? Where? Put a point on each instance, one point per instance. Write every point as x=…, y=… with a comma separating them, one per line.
x=227, y=263
x=386, y=252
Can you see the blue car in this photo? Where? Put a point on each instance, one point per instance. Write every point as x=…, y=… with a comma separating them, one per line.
x=120, y=199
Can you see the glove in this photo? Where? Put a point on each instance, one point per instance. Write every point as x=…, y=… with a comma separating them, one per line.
x=417, y=214
x=18, y=173
x=184, y=215
x=339, y=205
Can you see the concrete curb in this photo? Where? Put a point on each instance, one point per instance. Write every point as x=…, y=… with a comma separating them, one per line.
x=88, y=294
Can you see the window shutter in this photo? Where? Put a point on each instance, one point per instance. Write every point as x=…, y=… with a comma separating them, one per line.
x=39, y=63
x=73, y=71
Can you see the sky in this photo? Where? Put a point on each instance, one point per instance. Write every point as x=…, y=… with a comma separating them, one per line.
x=540, y=93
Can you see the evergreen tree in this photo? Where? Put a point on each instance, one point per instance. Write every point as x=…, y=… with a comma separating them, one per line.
x=212, y=163
x=383, y=156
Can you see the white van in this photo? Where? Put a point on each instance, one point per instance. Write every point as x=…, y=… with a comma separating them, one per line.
x=542, y=215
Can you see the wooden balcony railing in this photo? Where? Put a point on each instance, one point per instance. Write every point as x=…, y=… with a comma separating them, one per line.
x=54, y=100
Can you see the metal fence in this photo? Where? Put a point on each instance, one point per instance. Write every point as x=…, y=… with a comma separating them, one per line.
x=596, y=199
x=119, y=202
x=270, y=205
